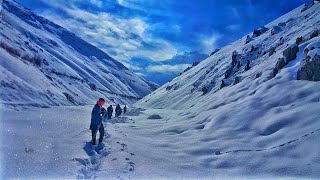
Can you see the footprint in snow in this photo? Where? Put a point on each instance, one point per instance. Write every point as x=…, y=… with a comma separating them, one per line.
x=131, y=166
x=97, y=149
x=29, y=150
x=91, y=165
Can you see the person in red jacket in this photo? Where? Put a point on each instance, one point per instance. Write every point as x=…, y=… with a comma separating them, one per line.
x=96, y=121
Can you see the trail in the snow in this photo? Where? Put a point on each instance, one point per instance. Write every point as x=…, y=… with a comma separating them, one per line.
x=92, y=164
x=270, y=148
x=128, y=165
x=98, y=155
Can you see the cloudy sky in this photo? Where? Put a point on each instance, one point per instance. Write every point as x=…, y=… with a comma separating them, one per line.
x=143, y=33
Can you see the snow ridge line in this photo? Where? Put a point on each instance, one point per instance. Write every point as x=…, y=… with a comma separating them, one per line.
x=270, y=148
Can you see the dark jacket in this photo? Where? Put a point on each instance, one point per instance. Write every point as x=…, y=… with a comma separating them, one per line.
x=109, y=110
x=118, y=107
x=96, y=118
x=118, y=110
x=125, y=110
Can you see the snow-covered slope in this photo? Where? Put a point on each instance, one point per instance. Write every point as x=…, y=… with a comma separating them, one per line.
x=266, y=126
x=242, y=111
x=203, y=82
x=43, y=64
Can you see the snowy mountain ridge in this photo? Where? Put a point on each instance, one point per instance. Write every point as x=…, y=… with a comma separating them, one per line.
x=251, y=59
x=43, y=60
x=250, y=109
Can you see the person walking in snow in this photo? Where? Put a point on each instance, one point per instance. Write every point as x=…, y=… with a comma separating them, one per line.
x=125, y=109
x=118, y=110
x=109, y=112
x=96, y=121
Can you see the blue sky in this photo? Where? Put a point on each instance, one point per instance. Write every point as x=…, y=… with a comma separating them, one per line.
x=143, y=33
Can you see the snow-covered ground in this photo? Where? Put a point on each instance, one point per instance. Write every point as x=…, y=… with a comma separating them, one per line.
x=219, y=119
x=42, y=143
x=55, y=143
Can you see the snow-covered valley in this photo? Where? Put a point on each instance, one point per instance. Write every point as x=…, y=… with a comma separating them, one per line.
x=41, y=143
x=251, y=110
x=43, y=64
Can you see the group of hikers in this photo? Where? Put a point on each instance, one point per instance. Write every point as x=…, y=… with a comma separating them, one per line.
x=98, y=114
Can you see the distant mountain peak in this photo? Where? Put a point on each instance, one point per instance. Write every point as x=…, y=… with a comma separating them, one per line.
x=186, y=58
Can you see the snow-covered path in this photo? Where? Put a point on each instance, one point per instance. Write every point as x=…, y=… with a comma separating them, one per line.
x=53, y=143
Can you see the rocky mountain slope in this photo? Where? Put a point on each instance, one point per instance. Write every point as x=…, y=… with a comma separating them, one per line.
x=287, y=48
x=250, y=109
x=43, y=64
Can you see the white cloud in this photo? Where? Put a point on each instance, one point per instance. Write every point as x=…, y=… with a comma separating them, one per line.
x=168, y=68
x=98, y=3
x=132, y=67
x=120, y=2
x=71, y=3
x=235, y=12
x=120, y=38
x=233, y=27
x=210, y=43
x=130, y=4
